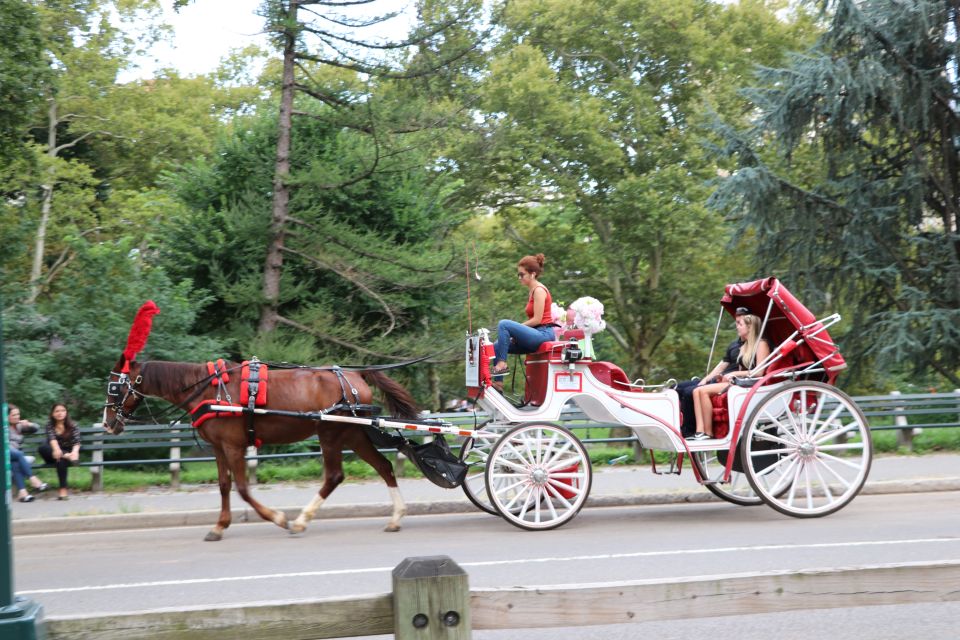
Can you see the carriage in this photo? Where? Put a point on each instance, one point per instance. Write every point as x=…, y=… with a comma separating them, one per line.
x=784, y=436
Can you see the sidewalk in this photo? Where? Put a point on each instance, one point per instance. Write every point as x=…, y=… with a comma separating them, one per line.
x=612, y=486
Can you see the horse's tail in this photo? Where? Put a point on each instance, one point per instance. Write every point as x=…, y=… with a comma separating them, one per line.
x=399, y=401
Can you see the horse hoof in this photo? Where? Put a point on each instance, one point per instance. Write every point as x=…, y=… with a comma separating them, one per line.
x=213, y=537
x=392, y=528
x=297, y=527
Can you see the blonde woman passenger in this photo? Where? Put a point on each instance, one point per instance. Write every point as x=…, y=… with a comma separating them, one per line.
x=741, y=357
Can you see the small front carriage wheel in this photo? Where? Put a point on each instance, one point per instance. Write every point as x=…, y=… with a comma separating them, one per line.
x=806, y=449
x=475, y=453
x=538, y=476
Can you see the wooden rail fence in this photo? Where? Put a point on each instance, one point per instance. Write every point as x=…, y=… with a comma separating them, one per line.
x=431, y=600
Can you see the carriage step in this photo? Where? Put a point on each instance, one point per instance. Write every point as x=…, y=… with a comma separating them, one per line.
x=676, y=466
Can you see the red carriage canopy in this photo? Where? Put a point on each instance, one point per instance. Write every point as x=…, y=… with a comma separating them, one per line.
x=786, y=316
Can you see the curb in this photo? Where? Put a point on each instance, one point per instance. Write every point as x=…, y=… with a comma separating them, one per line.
x=207, y=517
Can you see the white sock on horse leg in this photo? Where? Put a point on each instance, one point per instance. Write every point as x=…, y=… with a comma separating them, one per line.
x=399, y=507
x=310, y=510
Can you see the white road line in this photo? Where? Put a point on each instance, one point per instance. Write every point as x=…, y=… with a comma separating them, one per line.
x=490, y=563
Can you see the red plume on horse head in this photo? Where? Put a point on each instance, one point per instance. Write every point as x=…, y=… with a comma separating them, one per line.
x=139, y=332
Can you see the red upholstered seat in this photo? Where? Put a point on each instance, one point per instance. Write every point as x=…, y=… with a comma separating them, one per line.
x=609, y=374
x=721, y=416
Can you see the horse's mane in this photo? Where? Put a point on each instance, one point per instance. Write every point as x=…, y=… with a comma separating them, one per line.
x=170, y=378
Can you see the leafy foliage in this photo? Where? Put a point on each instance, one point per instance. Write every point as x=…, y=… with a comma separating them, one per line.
x=849, y=178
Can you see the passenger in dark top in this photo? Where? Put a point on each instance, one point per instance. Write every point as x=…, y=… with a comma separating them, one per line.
x=741, y=357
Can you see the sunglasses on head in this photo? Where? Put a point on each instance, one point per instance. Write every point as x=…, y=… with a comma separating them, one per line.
x=742, y=311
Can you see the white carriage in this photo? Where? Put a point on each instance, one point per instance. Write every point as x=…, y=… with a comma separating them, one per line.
x=789, y=437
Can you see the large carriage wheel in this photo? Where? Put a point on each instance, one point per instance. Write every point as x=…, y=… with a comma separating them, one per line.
x=475, y=453
x=711, y=465
x=538, y=476
x=806, y=449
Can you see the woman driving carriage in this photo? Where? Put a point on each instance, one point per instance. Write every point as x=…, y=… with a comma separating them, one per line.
x=514, y=337
x=742, y=355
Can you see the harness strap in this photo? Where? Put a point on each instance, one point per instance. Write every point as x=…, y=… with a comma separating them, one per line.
x=352, y=406
x=251, y=371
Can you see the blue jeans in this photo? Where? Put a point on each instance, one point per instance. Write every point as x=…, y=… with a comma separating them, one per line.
x=513, y=337
x=19, y=468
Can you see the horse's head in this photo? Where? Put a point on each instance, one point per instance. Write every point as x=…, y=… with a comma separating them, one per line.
x=122, y=396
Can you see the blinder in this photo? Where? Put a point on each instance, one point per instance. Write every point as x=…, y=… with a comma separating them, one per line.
x=119, y=391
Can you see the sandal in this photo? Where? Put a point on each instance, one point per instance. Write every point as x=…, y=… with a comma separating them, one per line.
x=43, y=486
x=27, y=498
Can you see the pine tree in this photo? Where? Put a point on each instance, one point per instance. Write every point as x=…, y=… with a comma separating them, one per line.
x=850, y=178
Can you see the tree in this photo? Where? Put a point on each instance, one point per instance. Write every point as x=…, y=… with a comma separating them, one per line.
x=593, y=149
x=850, y=178
x=22, y=70
x=84, y=51
x=327, y=60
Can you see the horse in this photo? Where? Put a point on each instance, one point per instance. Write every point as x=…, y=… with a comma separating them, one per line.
x=292, y=389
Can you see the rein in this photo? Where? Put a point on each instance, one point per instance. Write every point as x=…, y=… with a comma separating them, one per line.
x=360, y=367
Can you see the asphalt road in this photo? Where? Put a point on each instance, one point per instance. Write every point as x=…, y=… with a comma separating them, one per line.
x=135, y=570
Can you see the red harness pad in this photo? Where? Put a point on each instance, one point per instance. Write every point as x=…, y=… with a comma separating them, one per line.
x=214, y=369
x=260, y=383
x=202, y=412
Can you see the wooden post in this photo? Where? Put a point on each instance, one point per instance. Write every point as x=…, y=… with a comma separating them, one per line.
x=905, y=433
x=96, y=471
x=252, y=465
x=175, y=466
x=431, y=600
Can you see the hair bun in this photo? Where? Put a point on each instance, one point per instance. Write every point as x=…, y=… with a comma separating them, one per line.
x=540, y=259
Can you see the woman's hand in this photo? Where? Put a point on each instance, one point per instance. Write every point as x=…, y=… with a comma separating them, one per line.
x=57, y=454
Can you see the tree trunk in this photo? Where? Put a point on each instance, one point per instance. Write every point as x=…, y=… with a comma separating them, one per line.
x=46, y=206
x=273, y=267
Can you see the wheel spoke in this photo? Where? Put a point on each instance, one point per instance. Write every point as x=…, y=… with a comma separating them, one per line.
x=551, y=463
x=826, y=423
x=793, y=483
x=525, y=460
x=773, y=467
x=833, y=472
x=782, y=481
x=836, y=433
x=769, y=437
x=840, y=461
x=850, y=446
x=552, y=488
x=557, y=486
x=826, y=487
x=785, y=430
x=767, y=452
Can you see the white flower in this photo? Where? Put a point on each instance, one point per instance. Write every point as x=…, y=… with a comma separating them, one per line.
x=558, y=314
x=588, y=315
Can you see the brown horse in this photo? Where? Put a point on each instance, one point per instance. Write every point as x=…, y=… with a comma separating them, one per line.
x=299, y=390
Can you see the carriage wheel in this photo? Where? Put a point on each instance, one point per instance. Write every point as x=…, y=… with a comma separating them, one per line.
x=806, y=449
x=538, y=476
x=738, y=491
x=475, y=453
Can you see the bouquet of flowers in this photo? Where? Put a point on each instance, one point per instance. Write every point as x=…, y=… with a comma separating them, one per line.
x=588, y=315
x=559, y=314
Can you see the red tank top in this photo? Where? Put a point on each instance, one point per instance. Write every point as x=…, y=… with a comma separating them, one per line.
x=547, y=318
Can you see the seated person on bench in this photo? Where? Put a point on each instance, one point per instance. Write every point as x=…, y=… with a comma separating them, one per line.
x=514, y=337
x=742, y=355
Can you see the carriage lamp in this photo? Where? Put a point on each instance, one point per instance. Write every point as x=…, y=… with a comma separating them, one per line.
x=572, y=353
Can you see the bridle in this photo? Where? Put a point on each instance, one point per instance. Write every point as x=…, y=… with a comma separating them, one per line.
x=118, y=392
